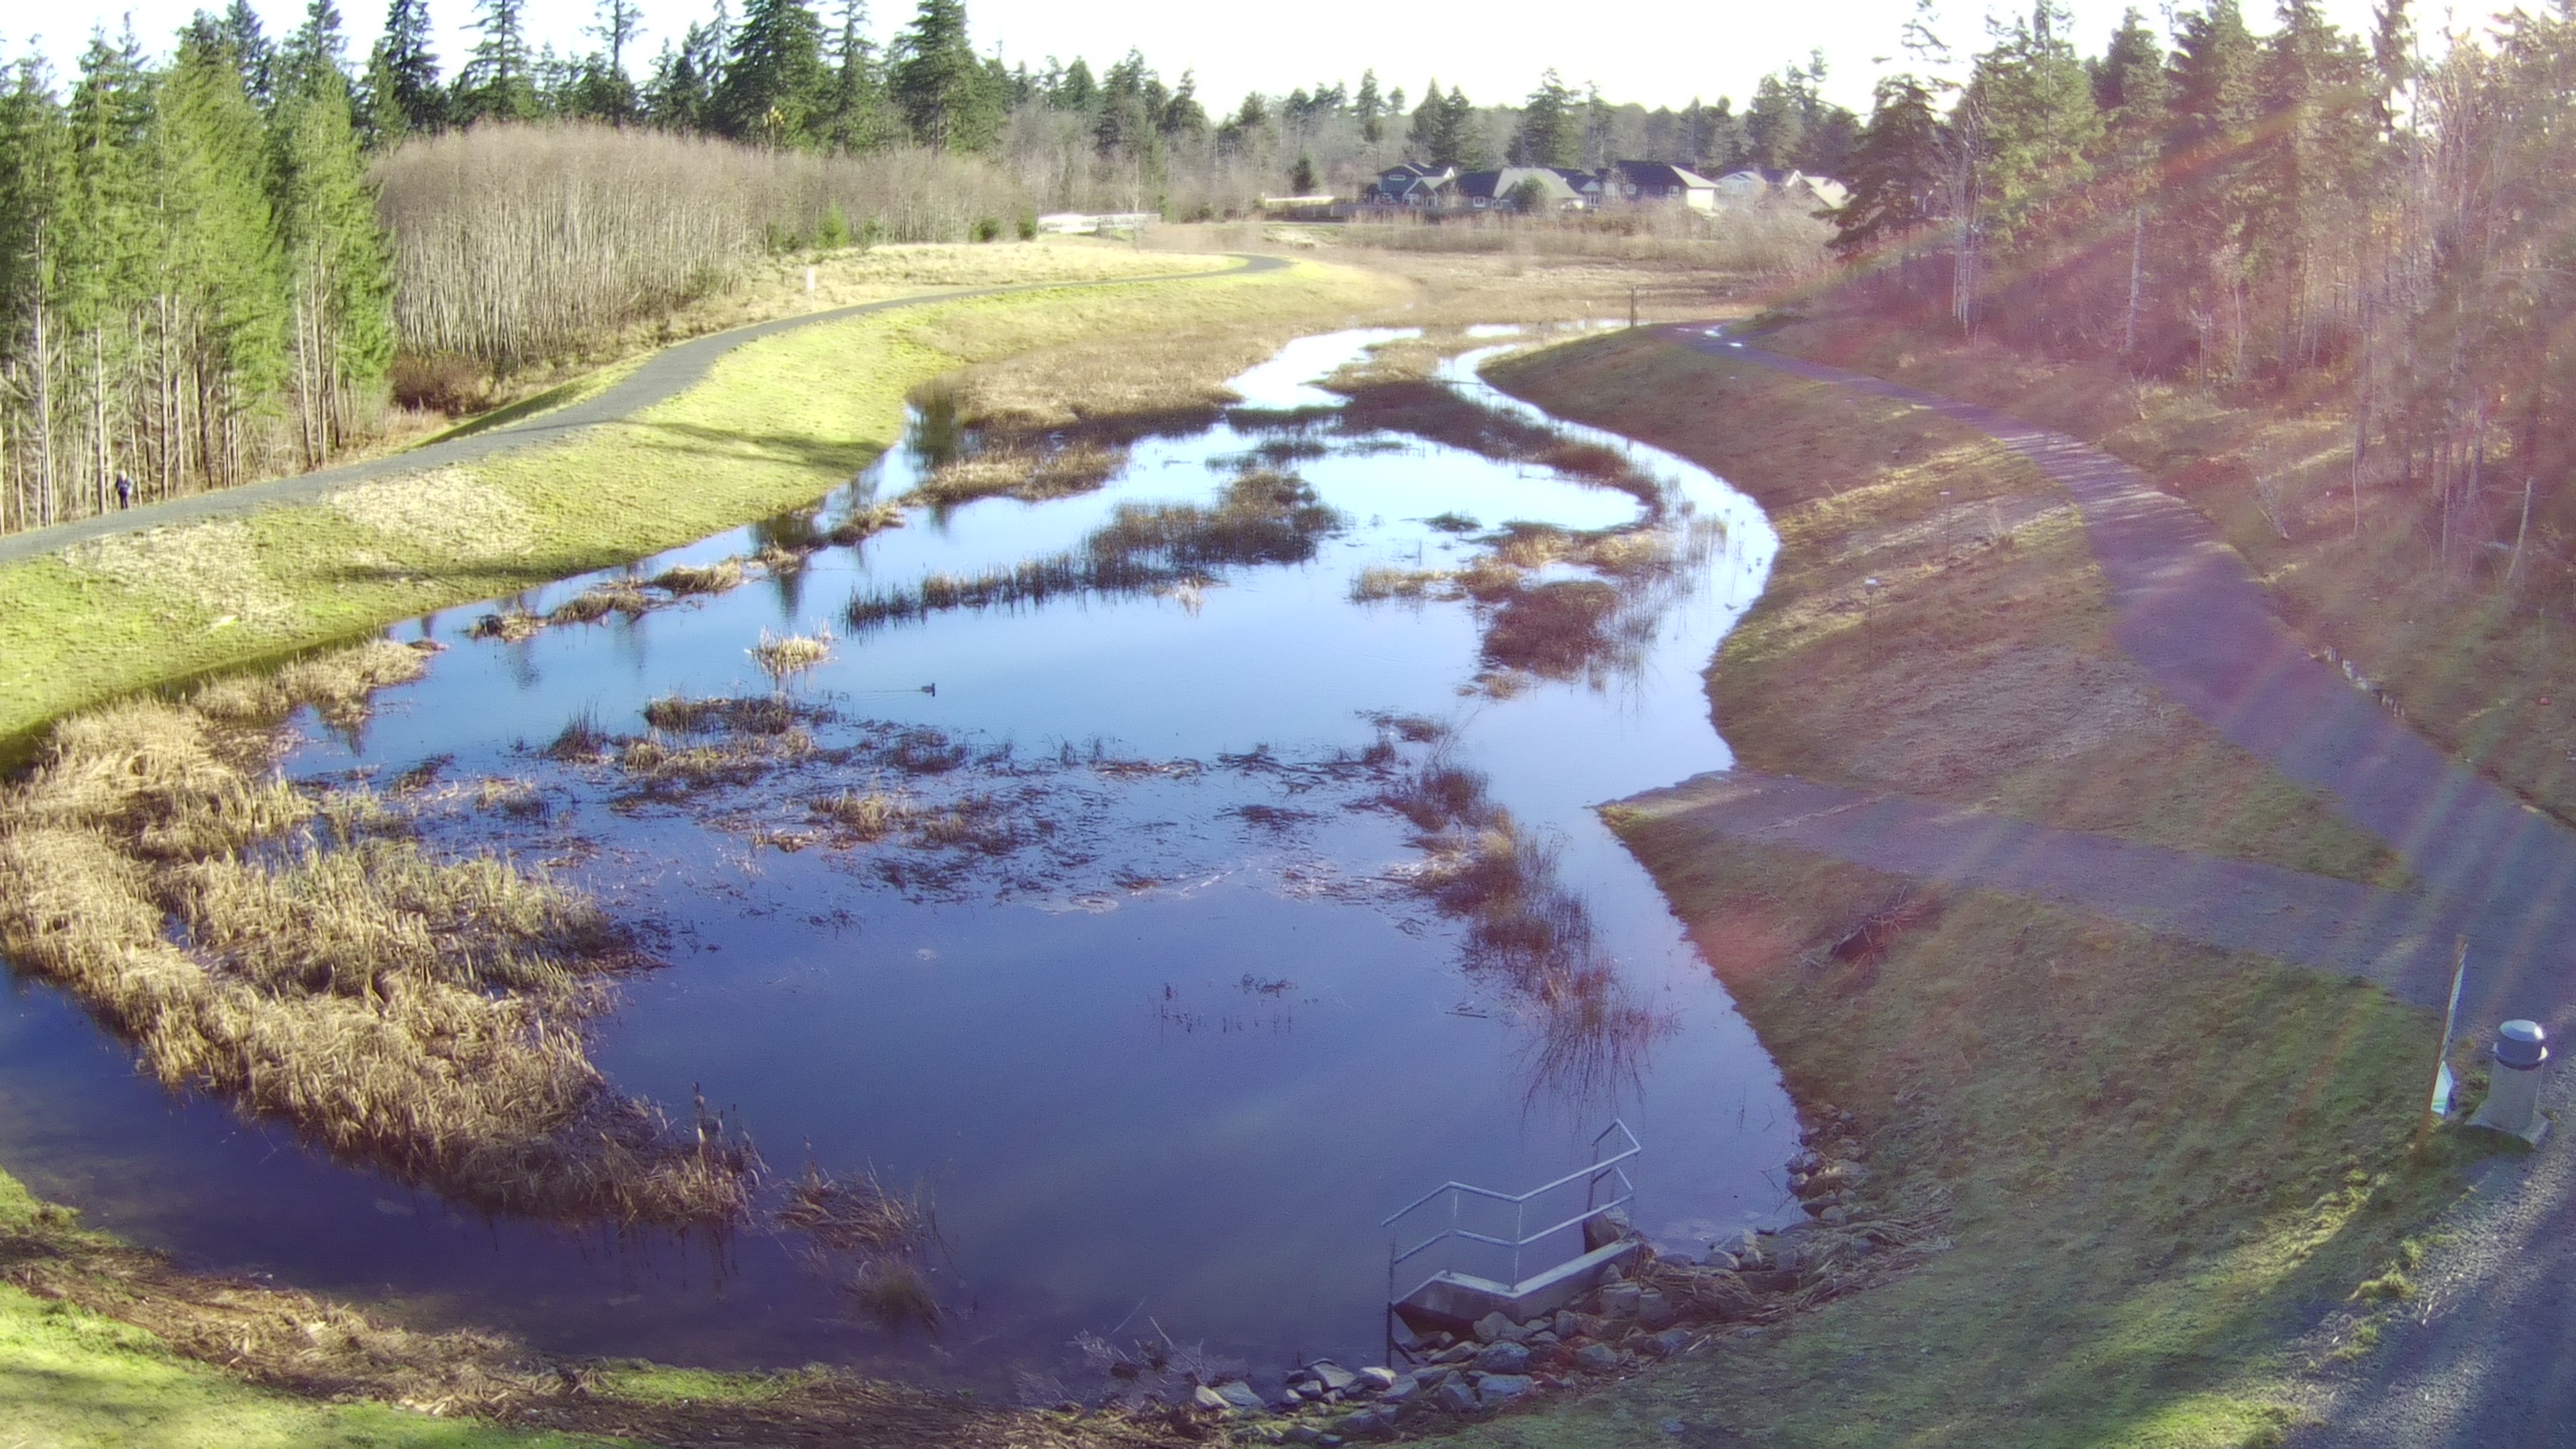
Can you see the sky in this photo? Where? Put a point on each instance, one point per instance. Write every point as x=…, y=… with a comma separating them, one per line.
x=1652, y=51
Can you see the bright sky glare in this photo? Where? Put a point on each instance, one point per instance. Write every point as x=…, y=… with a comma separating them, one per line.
x=1652, y=51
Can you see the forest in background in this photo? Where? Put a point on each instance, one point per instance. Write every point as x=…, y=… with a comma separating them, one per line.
x=212, y=263
x=2300, y=219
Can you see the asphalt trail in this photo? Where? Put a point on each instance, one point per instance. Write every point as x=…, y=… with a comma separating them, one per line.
x=2488, y=1357
x=665, y=375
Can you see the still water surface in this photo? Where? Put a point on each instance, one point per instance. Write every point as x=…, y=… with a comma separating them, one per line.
x=1168, y=1064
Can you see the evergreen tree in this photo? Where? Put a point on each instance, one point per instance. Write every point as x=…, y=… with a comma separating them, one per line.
x=2039, y=127
x=774, y=83
x=403, y=94
x=1183, y=118
x=1125, y=122
x=106, y=247
x=1422, y=137
x=854, y=116
x=317, y=46
x=1370, y=108
x=498, y=81
x=937, y=83
x=1547, y=136
x=35, y=179
x=684, y=76
x=1075, y=90
x=251, y=52
x=1775, y=125
x=603, y=90
x=339, y=272
x=1896, y=171
x=220, y=322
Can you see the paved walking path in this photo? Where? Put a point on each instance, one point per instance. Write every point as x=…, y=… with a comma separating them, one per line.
x=2488, y=1361
x=2191, y=613
x=2334, y=925
x=664, y=375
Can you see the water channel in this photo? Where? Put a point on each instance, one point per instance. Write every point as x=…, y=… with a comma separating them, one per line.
x=1167, y=1039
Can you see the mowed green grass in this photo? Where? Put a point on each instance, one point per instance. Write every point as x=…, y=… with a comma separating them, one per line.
x=777, y=423
x=2164, y=1163
x=70, y=1379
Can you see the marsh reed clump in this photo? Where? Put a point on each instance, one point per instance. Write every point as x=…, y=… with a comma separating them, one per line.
x=864, y=815
x=282, y=949
x=1261, y=517
x=732, y=714
x=784, y=656
x=684, y=580
x=856, y=1213
x=1029, y=473
x=618, y=596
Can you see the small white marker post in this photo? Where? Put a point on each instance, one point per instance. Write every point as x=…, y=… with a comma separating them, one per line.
x=2443, y=1085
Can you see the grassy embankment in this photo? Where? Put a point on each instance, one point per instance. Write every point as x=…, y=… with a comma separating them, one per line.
x=1935, y=623
x=106, y=1347
x=775, y=425
x=2490, y=679
x=2165, y=1163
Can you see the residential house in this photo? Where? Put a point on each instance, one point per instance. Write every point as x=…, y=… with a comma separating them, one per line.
x=1643, y=183
x=1791, y=187
x=1411, y=184
x=1486, y=190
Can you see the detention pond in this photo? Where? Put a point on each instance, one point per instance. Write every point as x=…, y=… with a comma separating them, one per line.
x=1148, y=888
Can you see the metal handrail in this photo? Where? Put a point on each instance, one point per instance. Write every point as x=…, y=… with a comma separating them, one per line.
x=1609, y=1167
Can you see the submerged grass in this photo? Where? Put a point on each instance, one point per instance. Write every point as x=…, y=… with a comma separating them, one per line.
x=260, y=943
x=1261, y=517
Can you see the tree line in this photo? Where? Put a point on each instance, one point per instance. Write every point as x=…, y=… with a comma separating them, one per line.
x=212, y=261
x=785, y=75
x=2311, y=214
x=193, y=286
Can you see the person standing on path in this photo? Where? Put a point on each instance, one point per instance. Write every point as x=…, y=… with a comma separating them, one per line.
x=124, y=490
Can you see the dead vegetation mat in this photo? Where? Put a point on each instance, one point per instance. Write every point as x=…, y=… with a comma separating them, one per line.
x=299, y=953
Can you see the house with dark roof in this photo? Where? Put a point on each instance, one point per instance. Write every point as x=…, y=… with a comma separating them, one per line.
x=1507, y=187
x=1650, y=182
x=1411, y=184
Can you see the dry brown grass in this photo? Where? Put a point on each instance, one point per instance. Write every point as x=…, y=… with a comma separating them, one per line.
x=417, y=1014
x=784, y=656
x=863, y=815
x=1029, y=474
x=684, y=580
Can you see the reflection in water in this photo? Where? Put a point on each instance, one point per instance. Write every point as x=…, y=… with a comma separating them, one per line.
x=1087, y=913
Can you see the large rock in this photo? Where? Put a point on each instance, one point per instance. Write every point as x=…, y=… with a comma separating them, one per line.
x=1335, y=1378
x=1369, y=1424
x=1495, y=1328
x=1376, y=1378
x=1503, y=1388
x=1401, y=1391
x=1239, y=1395
x=1654, y=1310
x=1599, y=1358
x=1667, y=1343
x=1504, y=1358
x=1209, y=1399
x=1457, y=1396
x=1610, y=1227
x=1619, y=1300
